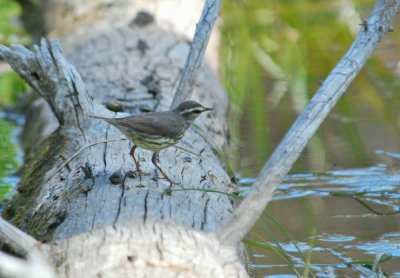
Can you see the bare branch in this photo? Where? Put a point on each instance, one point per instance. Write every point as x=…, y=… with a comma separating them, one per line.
x=34, y=267
x=197, y=50
x=19, y=241
x=281, y=161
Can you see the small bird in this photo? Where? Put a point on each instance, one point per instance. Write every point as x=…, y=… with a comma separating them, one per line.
x=155, y=131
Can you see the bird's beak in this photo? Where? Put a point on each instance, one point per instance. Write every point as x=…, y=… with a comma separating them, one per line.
x=207, y=109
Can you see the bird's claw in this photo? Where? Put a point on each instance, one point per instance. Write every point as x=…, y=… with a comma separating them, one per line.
x=137, y=172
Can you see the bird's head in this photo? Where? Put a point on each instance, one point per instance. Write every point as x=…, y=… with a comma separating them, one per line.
x=190, y=110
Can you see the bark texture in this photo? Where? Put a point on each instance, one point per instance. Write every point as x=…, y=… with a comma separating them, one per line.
x=138, y=65
x=169, y=250
x=75, y=192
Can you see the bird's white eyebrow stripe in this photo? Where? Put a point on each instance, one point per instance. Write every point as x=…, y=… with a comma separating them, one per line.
x=192, y=110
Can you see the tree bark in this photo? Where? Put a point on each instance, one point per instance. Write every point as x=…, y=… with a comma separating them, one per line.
x=75, y=193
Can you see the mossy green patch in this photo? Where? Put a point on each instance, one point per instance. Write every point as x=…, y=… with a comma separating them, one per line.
x=37, y=163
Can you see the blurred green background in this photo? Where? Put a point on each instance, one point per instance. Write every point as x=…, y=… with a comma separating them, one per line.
x=275, y=54
x=11, y=31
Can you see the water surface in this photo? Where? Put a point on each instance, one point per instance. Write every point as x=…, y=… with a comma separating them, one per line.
x=341, y=199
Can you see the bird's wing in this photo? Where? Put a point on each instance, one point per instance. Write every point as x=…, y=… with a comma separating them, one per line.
x=157, y=123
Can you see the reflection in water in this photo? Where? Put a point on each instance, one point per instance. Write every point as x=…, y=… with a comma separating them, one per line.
x=389, y=243
x=346, y=230
x=335, y=238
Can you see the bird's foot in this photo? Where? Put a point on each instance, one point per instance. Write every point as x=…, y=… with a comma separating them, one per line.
x=137, y=172
x=154, y=161
x=171, y=182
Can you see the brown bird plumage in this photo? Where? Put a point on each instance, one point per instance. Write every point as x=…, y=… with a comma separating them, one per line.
x=157, y=130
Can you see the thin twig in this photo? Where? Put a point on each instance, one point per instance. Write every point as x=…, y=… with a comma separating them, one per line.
x=78, y=152
x=186, y=150
x=233, y=196
x=196, y=53
x=281, y=161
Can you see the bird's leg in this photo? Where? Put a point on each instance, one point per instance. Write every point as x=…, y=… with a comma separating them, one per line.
x=132, y=153
x=154, y=160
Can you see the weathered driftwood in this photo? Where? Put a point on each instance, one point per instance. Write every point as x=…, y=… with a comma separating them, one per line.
x=146, y=244
x=35, y=264
x=129, y=249
x=76, y=180
x=139, y=66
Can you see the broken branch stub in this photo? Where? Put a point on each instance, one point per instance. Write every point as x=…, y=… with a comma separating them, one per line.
x=47, y=71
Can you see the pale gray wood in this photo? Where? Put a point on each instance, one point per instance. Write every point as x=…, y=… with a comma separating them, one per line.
x=157, y=249
x=19, y=241
x=79, y=212
x=35, y=265
x=107, y=226
x=56, y=80
x=71, y=200
x=195, y=58
x=245, y=216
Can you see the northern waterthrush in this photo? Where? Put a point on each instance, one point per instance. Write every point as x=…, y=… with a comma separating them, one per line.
x=155, y=131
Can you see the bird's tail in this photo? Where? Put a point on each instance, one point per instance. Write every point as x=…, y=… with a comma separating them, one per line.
x=108, y=120
x=97, y=117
